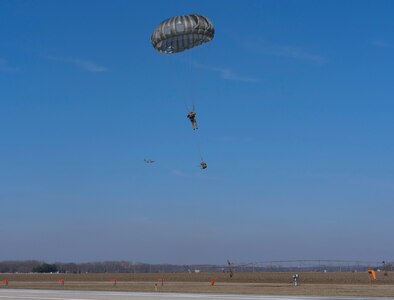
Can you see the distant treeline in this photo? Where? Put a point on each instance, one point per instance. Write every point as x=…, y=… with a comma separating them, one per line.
x=98, y=267
x=130, y=267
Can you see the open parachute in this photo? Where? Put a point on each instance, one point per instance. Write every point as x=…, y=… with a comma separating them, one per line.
x=180, y=33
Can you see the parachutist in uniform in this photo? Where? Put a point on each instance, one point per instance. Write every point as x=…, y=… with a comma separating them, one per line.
x=203, y=165
x=192, y=117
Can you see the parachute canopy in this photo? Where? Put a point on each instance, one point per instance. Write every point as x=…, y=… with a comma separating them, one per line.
x=180, y=33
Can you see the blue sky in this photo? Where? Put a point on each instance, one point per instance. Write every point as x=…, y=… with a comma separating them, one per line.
x=295, y=106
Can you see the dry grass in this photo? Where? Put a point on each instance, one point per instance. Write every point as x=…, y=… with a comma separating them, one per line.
x=319, y=284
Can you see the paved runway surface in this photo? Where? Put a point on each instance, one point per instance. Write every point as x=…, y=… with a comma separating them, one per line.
x=18, y=294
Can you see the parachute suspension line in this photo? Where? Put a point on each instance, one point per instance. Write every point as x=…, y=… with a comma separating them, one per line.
x=193, y=98
x=198, y=143
x=185, y=103
x=188, y=96
x=190, y=87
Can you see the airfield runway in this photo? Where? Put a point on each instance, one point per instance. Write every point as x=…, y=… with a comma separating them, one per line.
x=19, y=294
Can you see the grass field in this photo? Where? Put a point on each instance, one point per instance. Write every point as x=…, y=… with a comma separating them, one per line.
x=319, y=284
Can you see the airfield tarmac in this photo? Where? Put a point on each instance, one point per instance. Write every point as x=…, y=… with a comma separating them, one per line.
x=19, y=294
x=313, y=290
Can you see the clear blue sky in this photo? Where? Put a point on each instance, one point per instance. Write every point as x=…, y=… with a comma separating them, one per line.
x=295, y=102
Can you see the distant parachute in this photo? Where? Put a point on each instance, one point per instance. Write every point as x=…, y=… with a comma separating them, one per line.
x=180, y=33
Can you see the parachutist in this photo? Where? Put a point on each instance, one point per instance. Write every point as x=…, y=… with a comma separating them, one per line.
x=192, y=117
x=180, y=33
